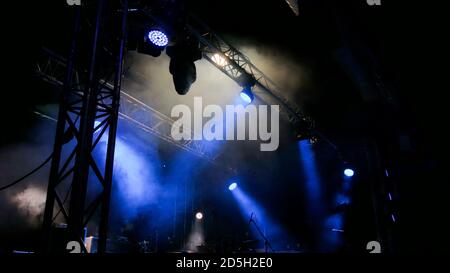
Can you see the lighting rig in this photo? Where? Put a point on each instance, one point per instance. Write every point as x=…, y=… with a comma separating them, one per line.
x=90, y=100
x=83, y=101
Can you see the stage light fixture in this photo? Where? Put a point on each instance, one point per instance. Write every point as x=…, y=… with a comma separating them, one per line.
x=148, y=41
x=232, y=186
x=246, y=81
x=247, y=95
x=349, y=172
x=182, y=67
x=158, y=38
x=219, y=60
x=199, y=216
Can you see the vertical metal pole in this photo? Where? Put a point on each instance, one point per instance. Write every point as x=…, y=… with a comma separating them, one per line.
x=75, y=223
x=57, y=147
x=373, y=165
x=103, y=227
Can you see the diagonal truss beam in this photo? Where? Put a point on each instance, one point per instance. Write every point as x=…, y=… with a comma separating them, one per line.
x=293, y=4
x=51, y=68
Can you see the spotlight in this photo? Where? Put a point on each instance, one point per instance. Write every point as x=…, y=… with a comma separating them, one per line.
x=219, y=60
x=149, y=42
x=199, y=216
x=247, y=95
x=349, y=172
x=246, y=81
x=232, y=186
x=158, y=38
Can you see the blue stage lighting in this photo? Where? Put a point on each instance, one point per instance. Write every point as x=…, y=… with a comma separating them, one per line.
x=349, y=172
x=247, y=95
x=158, y=38
x=232, y=186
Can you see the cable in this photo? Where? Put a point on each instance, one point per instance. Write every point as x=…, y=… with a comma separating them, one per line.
x=28, y=174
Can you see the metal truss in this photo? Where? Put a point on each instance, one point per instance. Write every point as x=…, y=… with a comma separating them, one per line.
x=51, y=68
x=234, y=64
x=160, y=125
x=89, y=109
x=84, y=100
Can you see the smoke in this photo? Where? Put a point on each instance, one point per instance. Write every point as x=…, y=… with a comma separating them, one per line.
x=149, y=79
x=196, y=237
x=289, y=75
x=30, y=203
x=136, y=177
x=141, y=184
x=21, y=206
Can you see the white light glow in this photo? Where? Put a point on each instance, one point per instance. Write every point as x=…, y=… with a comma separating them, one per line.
x=219, y=60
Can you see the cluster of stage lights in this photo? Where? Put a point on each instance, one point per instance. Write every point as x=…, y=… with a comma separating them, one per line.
x=232, y=186
x=160, y=39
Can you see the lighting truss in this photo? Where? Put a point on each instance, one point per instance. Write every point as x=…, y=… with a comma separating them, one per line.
x=83, y=101
x=51, y=68
x=86, y=99
x=237, y=64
